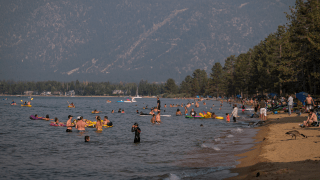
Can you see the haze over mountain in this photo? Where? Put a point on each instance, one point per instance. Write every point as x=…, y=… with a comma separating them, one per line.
x=128, y=40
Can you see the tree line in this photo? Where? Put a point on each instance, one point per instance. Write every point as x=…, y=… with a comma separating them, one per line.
x=285, y=62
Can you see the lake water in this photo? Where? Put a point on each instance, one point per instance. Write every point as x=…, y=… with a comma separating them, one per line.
x=176, y=149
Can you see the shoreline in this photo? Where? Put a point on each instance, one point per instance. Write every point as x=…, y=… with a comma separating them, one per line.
x=277, y=156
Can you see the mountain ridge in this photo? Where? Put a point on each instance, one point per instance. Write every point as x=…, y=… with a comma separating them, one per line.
x=129, y=40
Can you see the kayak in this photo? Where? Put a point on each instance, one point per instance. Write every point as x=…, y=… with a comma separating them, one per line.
x=26, y=105
x=197, y=117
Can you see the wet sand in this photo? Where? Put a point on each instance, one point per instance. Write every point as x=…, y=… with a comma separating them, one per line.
x=277, y=156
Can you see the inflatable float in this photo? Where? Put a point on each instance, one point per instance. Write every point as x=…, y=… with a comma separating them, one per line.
x=32, y=117
x=26, y=105
x=53, y=124
x=206, y=116
x=197, y=117
x=155, y=114
x=71, y=106
x=219, y=117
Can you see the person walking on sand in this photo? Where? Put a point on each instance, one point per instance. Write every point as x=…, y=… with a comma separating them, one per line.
x=309, y=103
x=290, y=103
x=235, y=113
x=263, y=111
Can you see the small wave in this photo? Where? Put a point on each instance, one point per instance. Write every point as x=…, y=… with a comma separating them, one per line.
x=216, y=148
x=172, y=177
x=217, y=139
x=238, y=130
x=230, y=136
x=204, y=146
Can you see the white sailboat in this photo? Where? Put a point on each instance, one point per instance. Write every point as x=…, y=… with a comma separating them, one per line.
x=137, y=94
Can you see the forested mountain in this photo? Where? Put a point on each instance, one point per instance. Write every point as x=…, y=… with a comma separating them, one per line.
x=128, y=40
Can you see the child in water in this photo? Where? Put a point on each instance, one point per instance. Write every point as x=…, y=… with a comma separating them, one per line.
x=228, y=117
x=86, y=138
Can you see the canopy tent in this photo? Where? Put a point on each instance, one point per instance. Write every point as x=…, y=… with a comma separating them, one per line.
x=302, y=96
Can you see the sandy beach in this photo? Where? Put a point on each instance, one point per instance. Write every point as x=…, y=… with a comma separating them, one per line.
x=279, y=156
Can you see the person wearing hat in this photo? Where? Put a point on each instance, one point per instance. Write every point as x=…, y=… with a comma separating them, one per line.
x=80, y=124
x=135, y=128
x=69, y=124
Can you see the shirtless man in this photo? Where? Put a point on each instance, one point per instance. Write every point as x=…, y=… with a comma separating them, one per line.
x=69, y=124
x=309, y=103
x=151, y=112
x=153, y=119
x=158, y=120
x=311, y=118
x=106, y=121
x=178, y=113
x=81, y=125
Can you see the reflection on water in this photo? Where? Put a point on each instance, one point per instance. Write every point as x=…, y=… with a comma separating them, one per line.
x=179, y=148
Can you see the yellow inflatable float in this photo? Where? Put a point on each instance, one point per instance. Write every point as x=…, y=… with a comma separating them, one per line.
x=219, y=117
x=206, y=116
x=26, y=105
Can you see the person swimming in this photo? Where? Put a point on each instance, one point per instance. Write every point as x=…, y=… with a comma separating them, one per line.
x=106, y=121
x=178, y=113
x=86, y=138
x=112, y=111
x=119, y=111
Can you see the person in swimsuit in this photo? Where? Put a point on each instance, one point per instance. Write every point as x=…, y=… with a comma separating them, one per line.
x=106, y=121
x=309, y=103
x=69, y=124
x=185, y=110
x=213, y=115
x=135, y=128
x=119, y=111
x=158, y=120
x=192, y=112
x=122, y=111
x=86, y=138
x=228, y=117
x=80, y=124
x=311, y=118
x=137, y=111
x=178, y=113
x=99, y=123
x=153, y=119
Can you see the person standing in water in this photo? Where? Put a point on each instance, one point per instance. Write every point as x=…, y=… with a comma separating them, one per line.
x=158, y=103
x=235, y=113
x=69, y=124
x=98, y=123
x=158, y=120
x=192, y=112
x=153, y=119
x=80, y=124
x=135, y=128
